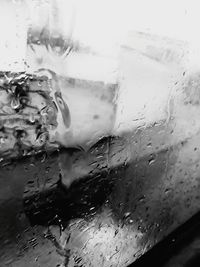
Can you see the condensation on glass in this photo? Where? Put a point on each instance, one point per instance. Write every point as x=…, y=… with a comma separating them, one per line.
x=99, y=130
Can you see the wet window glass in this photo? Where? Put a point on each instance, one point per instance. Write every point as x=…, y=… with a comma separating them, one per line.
x=99, y=129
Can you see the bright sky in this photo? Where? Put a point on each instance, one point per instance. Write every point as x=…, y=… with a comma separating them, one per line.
x=99, y=23
x=104, y=22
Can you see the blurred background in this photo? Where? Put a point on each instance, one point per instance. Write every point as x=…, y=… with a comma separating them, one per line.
x=99, y=131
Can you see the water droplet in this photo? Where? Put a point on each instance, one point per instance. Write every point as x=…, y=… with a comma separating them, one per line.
x=43, y=138
x=32, y=118
x=39, y=83
x=64, y=109
x=43, y=112
x=138, y=254
x=167, y=190
x=43, y=157
x=142, y=198
x=126, y=215
x=50, y=110
x=157, y=225
x=130, y=221
x=151, y=159
x=33, y=242
x=47, y=169
x=15, y=104
x=2, y=140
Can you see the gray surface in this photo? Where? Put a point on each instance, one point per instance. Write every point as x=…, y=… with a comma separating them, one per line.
x=145, y=200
